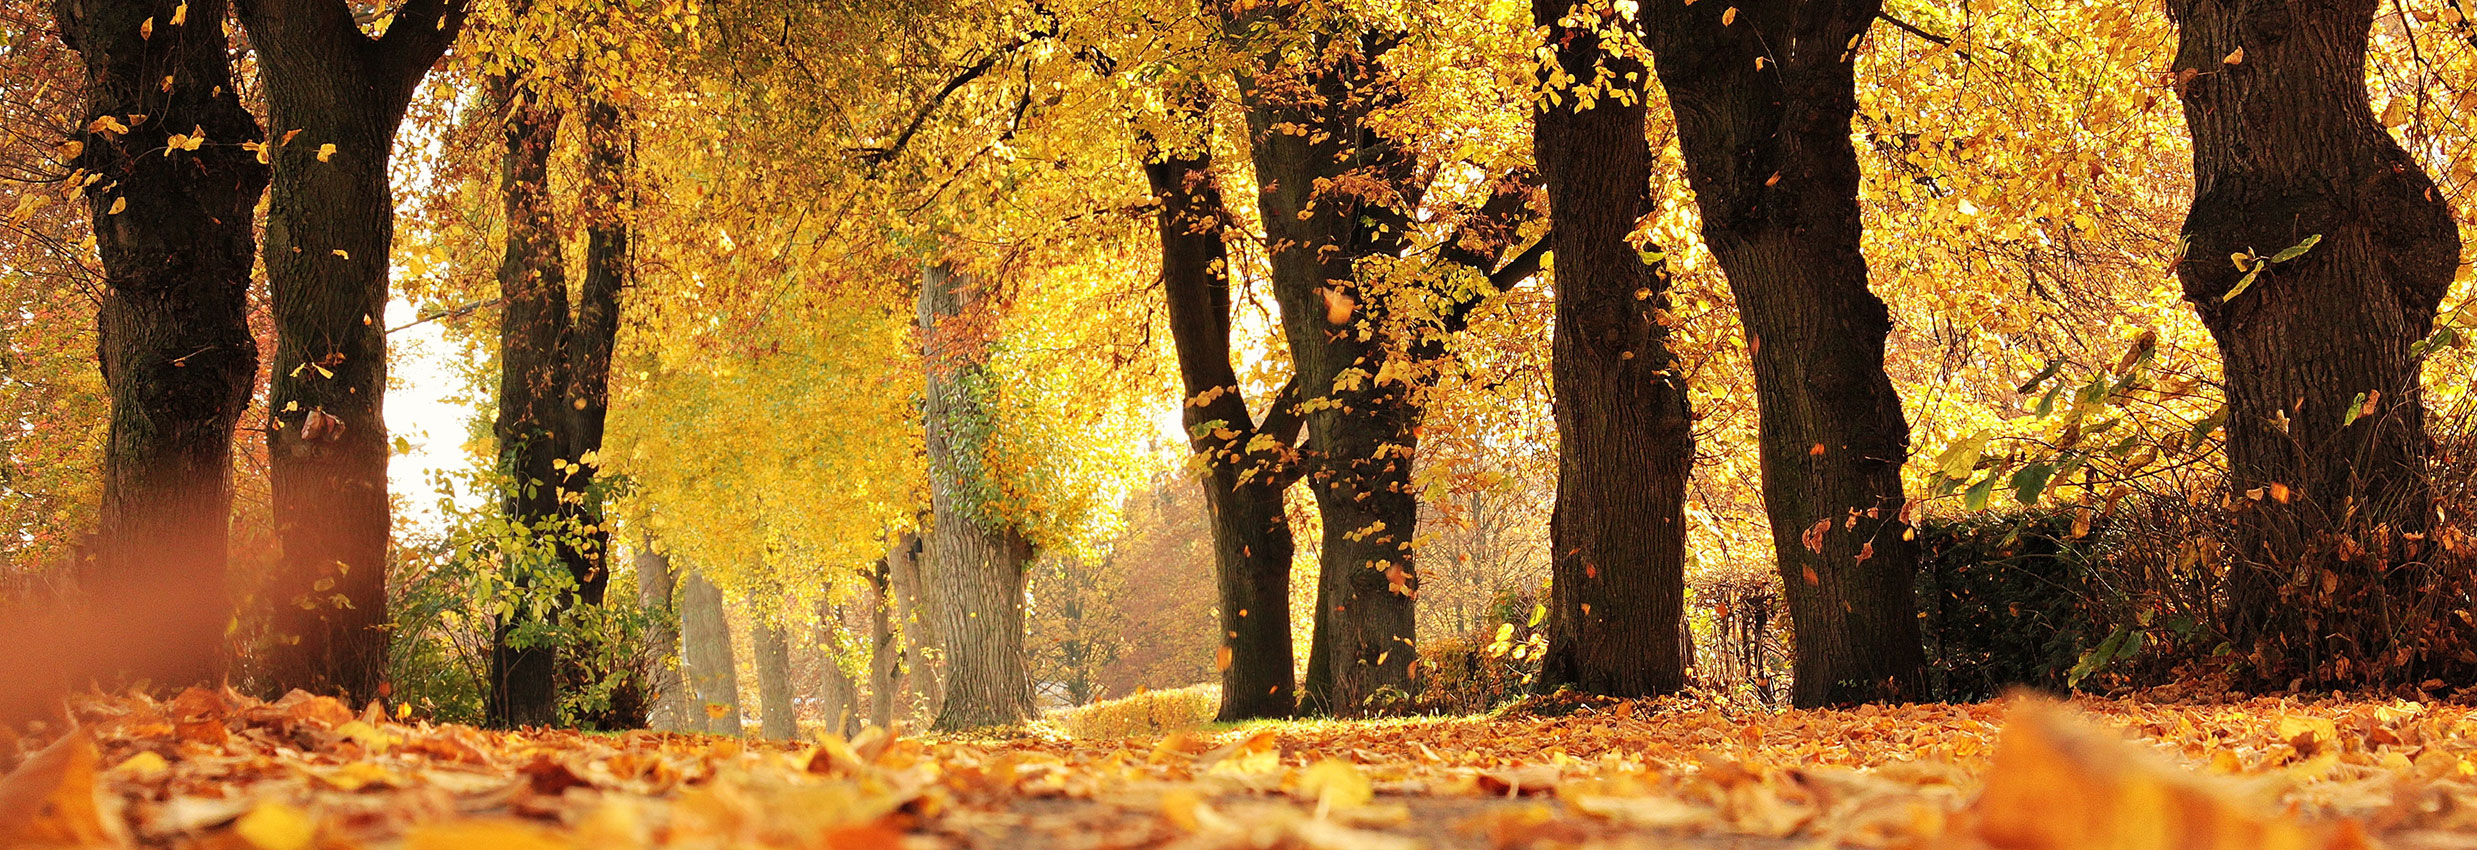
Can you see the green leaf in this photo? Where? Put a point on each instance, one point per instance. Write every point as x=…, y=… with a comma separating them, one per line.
x=1962, y=457
x=1976, y=498
x=2297, y=250
x=2355, y=406
x=2047, y=403
x=2031, y=482
x=2043, y=374
x=2242, y=284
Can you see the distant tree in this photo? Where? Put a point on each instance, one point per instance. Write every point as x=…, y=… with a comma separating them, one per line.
x=707, y=659
x=973, y=560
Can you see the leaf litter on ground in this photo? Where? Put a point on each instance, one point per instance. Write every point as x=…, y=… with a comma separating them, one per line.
x=210, y=769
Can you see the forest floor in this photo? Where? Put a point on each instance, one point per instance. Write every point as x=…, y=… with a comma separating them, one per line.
x=214, y=770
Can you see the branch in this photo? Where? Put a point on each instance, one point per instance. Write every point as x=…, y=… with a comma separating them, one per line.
x=423, y=31
x=1907, y=27
x=878, y=156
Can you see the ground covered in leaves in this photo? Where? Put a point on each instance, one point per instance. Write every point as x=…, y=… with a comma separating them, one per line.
x=214, y=770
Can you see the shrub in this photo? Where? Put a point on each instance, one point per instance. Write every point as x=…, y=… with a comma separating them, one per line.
x=1143, y=714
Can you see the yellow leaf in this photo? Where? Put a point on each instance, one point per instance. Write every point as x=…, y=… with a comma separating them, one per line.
x=1728, y=16
x=276, y=826
x=482, y=835
x=118, y=204
x=326, y=151
x=1336, y=785
x=180, y=14
x=146, y=764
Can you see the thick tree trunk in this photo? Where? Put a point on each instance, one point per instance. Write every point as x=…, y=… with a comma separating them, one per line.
x=1767, y=148
x=776, y=718
x=654, y=583
x=1243, y=481
x=338, y=96
x=1360, y=430
x=172, y=225
x=2325, y=416
x=974, y=561
x=1626, y=441
x=533, y=410
x=713, y=674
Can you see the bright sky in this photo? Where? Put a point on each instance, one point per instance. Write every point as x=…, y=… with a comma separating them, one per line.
x=421, y=368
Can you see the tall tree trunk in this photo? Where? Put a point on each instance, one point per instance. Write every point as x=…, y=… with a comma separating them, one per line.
x=593, y=336
x=2325, y=411
x=882, y=653
x=171, y=208
x=974, y=560
x=336, y=97
x=713, y=674
x=840, y=711
x=533, y=377
x=1626, y=442
x=775, y=717
x=1767, y=148
x=1243, y=479
x=921, y=669
x=1306, y=127
x=654, y=583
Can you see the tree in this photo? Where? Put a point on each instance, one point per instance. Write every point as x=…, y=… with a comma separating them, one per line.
x=335, y=95
x=774, y=704
x=173, y=162
x=655, y=581
x=2343, y=250
x=554, y=382
x=707, y=659
x=1626, y=437
x=1763, y=97
x=973, y=558
x=1246, y=464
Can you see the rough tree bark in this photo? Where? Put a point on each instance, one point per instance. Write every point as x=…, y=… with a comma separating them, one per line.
x=973, y=560
x=1618, y=532
x=533, y=377
x=712, y=673
x=655, y=582
x=776, y=718
x=1243, y=477
x=2324, y=407
x=838, y=697
x=554, y=380
x=1306, y=122
x=921, y=669
x=335, y=96
x=169, y=147
x=1763, y=102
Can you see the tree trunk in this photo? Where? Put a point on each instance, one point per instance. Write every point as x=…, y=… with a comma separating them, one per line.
x=172, y=225
x=2325, y=415
x=920, y=667
x=1768, y=151
x=337, y=97
x=1243, y=481
x=838, y=697
x=776, y=719
x=712, y=672
x=533, y=410
x=974, y=560
x=1360, y=437
x=654, y=582
x=882, y=654
x=1626, y=441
